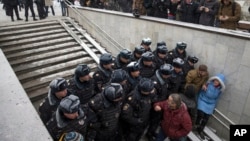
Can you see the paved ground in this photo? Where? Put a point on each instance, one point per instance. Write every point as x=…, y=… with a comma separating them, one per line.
x=6, y=20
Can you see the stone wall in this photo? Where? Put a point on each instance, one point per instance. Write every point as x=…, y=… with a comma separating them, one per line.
x=224, y=51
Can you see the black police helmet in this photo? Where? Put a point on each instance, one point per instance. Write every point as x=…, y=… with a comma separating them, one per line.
x=146, y=85
x=82, y=70
x=161, y=43
x=113, y=91
x=106, y=58
x=58, y=84
x=162, y=49
x=125, y=54
x=193, y=59
x=166, y=69
x=181, y=45
x=147, y=56
x=133, y=66
x=139, y=50
x=146, y=41
x=178, y=62
x=118, y=76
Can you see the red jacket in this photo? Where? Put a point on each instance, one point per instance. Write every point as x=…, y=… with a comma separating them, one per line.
x=176, y=123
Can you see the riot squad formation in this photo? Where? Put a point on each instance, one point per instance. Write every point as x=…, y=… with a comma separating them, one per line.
x=144, y=93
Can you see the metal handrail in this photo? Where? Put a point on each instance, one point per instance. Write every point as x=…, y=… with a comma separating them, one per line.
x=96, y=27
x=226, y=118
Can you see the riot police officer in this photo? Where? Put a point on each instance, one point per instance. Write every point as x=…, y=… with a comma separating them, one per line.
x=136, y=55
x=147, y=65
x=179, y=51
x=120, y=76
x=162, y=84
x=161, y=54
x=122, y=59
x=134, y=76
x=82, y=85
x=178, y=75
x=107, y=106
x=161, y=78
x=57, y=91
x=146, y=42
x=71, y=116
x=136, y=110
x=189, y=64
x=103, y=74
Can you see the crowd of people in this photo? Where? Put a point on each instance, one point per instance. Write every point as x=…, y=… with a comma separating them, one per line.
x=219, y=13
x=223, y=14
x=12, y=6
x=155, y=94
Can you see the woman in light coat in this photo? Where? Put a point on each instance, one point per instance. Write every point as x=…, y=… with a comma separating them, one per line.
x=208, y=99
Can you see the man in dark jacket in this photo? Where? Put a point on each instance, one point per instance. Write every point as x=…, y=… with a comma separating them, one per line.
x=189, y=11
x=71, y=116
x=208, y=9
x=57, y=91
x=136, y=110
x=82, y=85
x=11, y=5
x=107, y=107
x=104, y=71
x=147, y=65
x=28, y=4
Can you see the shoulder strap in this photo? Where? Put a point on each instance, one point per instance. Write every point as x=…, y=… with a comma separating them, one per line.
x=233, y=8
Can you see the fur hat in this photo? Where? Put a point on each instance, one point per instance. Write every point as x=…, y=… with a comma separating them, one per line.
x=73, y=136
x=70, y=104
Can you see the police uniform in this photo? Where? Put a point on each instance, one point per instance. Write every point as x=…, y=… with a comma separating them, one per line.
x=186, y=68
x=47, y=107
x=146, y=71
x=60, y=124
x=85, y=91
x=174, y=54
x=102, y=78
x=118, y=64
x=135, y=115
x=108, y=114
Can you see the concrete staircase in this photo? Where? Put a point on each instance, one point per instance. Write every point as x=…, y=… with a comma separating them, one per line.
x=41, y=51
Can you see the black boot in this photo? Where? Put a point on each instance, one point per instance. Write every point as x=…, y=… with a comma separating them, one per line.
x=12, y=19
x=202, y=135
x=19, y=19
x=34, y=19
x=26, y=19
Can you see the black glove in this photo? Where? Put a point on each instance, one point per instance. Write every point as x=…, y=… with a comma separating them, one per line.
x=136, y=13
